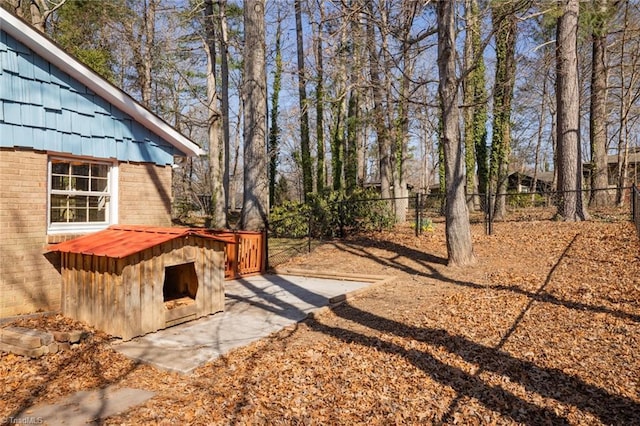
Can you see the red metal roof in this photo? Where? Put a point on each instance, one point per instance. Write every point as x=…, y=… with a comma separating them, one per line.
x=120, y=241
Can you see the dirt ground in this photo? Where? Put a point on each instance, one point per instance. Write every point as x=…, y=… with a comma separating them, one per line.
x=544, y=329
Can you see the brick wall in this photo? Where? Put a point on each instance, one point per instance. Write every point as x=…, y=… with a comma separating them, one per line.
x=29, y=280
x=145, y=194
x=29, y=277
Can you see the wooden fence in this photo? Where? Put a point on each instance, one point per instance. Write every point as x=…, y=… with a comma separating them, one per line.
x=246, y=255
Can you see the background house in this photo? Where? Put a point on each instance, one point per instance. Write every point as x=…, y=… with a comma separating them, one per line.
x=523, y=182
x=76, y=156
x=633, y=168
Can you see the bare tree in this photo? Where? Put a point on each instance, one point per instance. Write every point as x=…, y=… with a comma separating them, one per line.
x=385, y=160
x=627, y=86
x=504, y=24
x=224, y=76
x=149, y=23
x=214, y=120
x=475, y=99
x=458, y=231
x=569, y=159
x=274, y=130
x=305, y=152
x=40, y=11
x=598, y=116
x=320, y=99
x=254, y=95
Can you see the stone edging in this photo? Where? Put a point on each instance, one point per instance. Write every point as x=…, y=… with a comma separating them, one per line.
x=375, y=280
x=35, y=343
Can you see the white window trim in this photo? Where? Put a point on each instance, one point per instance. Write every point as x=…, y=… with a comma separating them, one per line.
x=83, y=228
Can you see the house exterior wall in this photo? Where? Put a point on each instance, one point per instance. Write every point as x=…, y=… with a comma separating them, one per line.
x=144, y=194
x=45, y=109
x=30, y=278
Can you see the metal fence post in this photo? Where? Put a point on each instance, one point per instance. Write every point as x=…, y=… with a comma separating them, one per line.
x=309, y=233
x=489, y=214
x=486, y=213
x=635, y=207
x=417, y=214
x=633, y=202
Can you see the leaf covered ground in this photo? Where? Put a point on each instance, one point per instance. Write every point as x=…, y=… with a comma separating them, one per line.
x=545, y=329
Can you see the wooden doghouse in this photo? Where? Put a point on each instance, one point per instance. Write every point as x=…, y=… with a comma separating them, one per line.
x=133, y=280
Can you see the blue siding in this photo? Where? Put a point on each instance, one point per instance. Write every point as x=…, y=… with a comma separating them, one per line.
x=50, y=96
x=12, y=113
x=25, y=66
x=9, y=60
x=43, y=108
x=41, y=69
x=35, y=94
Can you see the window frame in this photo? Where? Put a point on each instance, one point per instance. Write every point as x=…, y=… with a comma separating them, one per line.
x=111, y=216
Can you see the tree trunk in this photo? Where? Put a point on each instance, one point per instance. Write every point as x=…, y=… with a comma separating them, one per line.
x=254, y=94
x=339, y=108
x=214, y=118
x=476, y=110
x=320, y=164
x=307, y=176
x=234, y=178
x=385, y=163
x=629, y=94
x=337, y=139
x=541, y=126
x=351, y=156
x=274, y=130
x=224, y=76
x=354, y=157
x=147, y=53
x=458, y=231
x=598, y=116
x=40, y=12
x=568, y=109
x=504, y=23
x=400, y=191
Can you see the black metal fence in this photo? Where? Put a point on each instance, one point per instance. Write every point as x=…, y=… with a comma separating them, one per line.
x=635, y=207
x=289, y=236
x=300, y=231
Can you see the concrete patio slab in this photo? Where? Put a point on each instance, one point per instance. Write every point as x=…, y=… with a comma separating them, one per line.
x=85, y=407
x=254, y=308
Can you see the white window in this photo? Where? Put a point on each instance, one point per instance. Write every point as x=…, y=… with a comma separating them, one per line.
x=81, y=195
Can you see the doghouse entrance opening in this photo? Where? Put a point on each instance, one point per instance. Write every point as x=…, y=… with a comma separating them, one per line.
x=180, y=285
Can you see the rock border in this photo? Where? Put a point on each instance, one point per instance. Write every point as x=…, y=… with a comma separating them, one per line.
x=35, y=343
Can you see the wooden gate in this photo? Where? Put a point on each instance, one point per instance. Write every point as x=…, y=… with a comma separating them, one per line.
x=247, y=254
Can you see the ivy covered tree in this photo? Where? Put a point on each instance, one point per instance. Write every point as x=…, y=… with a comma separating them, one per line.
x=504, y=24
x=475, y=100
x=274, y=130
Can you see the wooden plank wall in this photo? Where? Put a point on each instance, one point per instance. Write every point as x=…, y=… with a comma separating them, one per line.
x=124, y=297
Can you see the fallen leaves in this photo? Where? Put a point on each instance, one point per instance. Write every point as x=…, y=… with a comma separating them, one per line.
x=544, y=330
